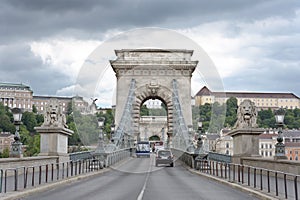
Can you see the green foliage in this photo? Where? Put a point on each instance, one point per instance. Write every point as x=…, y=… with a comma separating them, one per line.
x=34, y=109
x=5, y=153
x=39, y=119
x=86, y=126
x=29, y=120
x=6, y=120
x=231, y=111
x=69, y=108
x=33, y=146
x=212, y=117
x=266, y=119
x=144, y=111
x=154, y=138
x=217, y=118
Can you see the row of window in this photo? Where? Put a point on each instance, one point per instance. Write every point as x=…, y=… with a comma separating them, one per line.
x=15, y=88
x=265, y=146
x=296, y=158
x=266, y=153
x=291, y=152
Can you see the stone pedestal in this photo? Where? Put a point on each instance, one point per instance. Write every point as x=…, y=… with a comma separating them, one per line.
x=245, y=143
x=16, y=150
x=54, y=142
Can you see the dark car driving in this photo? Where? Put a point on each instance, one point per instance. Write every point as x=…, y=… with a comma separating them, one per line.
x=164, y=157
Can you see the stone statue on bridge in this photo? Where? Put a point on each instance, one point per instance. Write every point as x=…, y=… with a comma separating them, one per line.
x=54, y=117
x=246, y=115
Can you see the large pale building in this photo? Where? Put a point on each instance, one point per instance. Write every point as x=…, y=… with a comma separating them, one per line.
x=16, y=95
x=21, y=96
x=261, y=100
x=41, y=102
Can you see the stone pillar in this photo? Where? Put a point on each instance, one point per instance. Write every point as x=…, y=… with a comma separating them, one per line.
x=245, y=143
x=54, y=132
x=54, y=142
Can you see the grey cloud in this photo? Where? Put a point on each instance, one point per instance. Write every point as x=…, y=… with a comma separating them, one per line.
x=31, y=20
x=19, y=65
x=268, y=76
x=35, y=19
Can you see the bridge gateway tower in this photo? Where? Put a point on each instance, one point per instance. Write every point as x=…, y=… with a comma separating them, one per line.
x=153, y=72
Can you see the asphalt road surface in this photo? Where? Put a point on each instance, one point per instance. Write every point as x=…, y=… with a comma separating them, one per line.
x=138, y=178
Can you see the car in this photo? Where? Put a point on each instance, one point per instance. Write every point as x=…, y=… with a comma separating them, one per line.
x=164, y=156
x=157, y=148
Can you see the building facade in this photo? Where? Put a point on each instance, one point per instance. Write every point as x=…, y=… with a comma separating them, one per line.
x=261, y=100
x=6, y=139
x=291, y=139
x=21, y=96
x=267, y=143
x=40, y=102
x=16, y=95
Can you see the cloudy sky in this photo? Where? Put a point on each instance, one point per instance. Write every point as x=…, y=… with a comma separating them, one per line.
x=254, y=44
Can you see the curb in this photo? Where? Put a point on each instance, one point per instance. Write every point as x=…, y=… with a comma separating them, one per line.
x=41, y=188
x=255, y=193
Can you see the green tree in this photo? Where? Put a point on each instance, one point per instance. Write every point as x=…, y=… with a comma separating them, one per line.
x=39, y=119
x=34, y=110
x=69, y=108
x=231, y=111
x=5, y=153
x=29, y=120
x=6, y=119
x=266, y=119
x=144, y=111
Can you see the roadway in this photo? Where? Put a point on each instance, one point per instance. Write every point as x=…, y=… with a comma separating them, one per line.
x=138, y=178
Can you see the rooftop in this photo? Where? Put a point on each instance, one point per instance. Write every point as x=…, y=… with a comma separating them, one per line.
x=292, y=144
x=14, y=85
x=204, y=91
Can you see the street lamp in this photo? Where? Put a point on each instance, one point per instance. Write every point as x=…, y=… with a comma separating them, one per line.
x=191, y=145
x=199, y=125
x=279, y=146
x=199, y=138
x=199, y=150
x=112, y=131
x=17, y=145
x=163, y=135
x=101, y=122
x=100, y=148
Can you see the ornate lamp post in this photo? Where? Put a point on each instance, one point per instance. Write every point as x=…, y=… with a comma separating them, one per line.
x=191, y=145
x=163, y=135
x=100, y=151
x=199, y=138
x=279, y=147
x=17, y=145
x=112, y=131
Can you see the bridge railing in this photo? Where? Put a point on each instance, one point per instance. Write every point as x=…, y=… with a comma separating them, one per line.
x=81, y=155
x=275, y=183
x=219, y=157
x=186, y=157
x=19, y=178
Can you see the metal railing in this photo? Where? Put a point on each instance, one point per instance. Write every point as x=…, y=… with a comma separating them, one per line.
x=81, y=155
x=15, y=179
x=219, y=157
x=276, y=183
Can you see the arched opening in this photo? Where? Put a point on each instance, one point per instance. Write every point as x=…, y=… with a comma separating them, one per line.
x=153, y=119
x=154, y=138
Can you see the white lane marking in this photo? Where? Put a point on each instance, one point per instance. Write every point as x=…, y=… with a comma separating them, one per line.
x=140, y=197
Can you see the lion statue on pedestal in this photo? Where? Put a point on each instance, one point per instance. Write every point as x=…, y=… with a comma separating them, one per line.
x=246, y=115
x=54, y=116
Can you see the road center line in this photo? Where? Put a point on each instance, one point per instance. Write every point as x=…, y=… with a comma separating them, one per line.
x=140, y=197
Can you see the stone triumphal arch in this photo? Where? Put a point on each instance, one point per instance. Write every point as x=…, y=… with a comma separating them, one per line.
x=153, y=72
